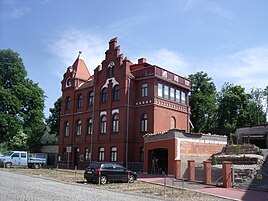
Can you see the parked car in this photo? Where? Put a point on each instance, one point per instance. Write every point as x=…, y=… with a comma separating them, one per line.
x=109, y=172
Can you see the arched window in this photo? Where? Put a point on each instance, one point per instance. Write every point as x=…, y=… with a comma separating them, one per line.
x=115, y=123
x=68, y=103
x=144, y=123
x=110, y=70
x=91, y=99
x=78, y=127
x=112, y=73
x=113, y=157
x=103, y=125
x=66, y=128
x=116, y=93
x=68, y=82
x=172, y=122
x=90, y=127
x=87, y=154
x=104, y=95
x=101, y=154
x=80, y=101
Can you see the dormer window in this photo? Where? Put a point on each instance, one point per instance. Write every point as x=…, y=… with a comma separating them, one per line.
x=68, y=82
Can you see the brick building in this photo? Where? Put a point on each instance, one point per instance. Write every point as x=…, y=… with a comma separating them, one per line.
x=104, y=116
x=163, y=150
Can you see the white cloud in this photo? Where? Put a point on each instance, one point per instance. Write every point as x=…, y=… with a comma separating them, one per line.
x=68, y=43
x=172, y=61
x=209, y=6
x=15, y=13
x=248, y=68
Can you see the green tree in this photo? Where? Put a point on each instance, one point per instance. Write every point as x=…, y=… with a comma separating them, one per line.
x=53, y=121
x=233, y=105
x=265, y=93
x=203, y=102
x=21, y=102
x=256, y=114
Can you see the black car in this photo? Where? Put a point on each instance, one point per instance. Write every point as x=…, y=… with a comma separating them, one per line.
x=108, y=172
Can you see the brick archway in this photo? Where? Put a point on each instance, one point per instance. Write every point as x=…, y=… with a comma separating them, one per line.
x=159, y=161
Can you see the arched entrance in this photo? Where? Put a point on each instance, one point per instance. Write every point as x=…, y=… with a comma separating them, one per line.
x=158, y=161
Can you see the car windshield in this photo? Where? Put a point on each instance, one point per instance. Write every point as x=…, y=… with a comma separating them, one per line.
x=8, y=153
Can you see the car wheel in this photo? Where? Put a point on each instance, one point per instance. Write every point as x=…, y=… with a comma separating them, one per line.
x=36, y=166
x=89, y=181
x=131, y=179
x=8, y=165
x=103, y=179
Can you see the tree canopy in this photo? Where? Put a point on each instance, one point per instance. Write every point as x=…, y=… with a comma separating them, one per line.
x=53, y=121
x=202, y=102
x=21, y=103
x=222, y=112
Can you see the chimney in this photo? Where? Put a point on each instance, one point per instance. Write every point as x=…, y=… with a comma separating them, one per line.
x=141, y=60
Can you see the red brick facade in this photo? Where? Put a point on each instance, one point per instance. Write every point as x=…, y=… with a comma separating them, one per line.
x=104, y=116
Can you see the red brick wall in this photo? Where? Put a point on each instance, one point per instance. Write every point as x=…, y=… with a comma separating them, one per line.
x=165, y=144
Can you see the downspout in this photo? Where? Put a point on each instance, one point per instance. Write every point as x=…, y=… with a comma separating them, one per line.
x=91, y=137
x=127, y=124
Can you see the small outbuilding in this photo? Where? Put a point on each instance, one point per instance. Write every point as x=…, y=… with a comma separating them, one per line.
x=257, y=135
x=161, y=150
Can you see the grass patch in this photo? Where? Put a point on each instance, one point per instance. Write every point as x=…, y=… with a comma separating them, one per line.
x=138, y=187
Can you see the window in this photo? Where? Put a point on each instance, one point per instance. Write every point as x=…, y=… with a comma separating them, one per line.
x=78, y=127
x=141, y=154
x=172, y=94
x=144, y=123
x=115, y=123
x=110, y=70
x=23, y=155
x=66, y=128
x=101, y=154
x=112, y=73
x=87, y=154
x=183, y=98
x=104, y=95
x=116, y=93
x=178, y=96
x=64, y=154
x=80, y=101
x=68, y=82
x=166, y=92
x=68, y=103
x=113, y=157
x=103, y=125
x=91, y=99
x=172, y=123
x=90, y=127
x=160, y=90
x=144, y=90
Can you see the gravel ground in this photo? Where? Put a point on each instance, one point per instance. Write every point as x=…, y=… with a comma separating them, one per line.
x=41, y=185
x=27, y=188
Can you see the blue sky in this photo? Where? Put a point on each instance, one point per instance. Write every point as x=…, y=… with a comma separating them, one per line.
x=226, y=38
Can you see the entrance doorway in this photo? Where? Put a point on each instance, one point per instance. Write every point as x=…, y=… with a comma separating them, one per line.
x=158, y=161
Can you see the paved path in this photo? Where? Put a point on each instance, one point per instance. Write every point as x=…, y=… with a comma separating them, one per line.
x=232, y=194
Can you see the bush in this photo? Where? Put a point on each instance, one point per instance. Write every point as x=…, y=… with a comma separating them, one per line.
x=214, y=160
